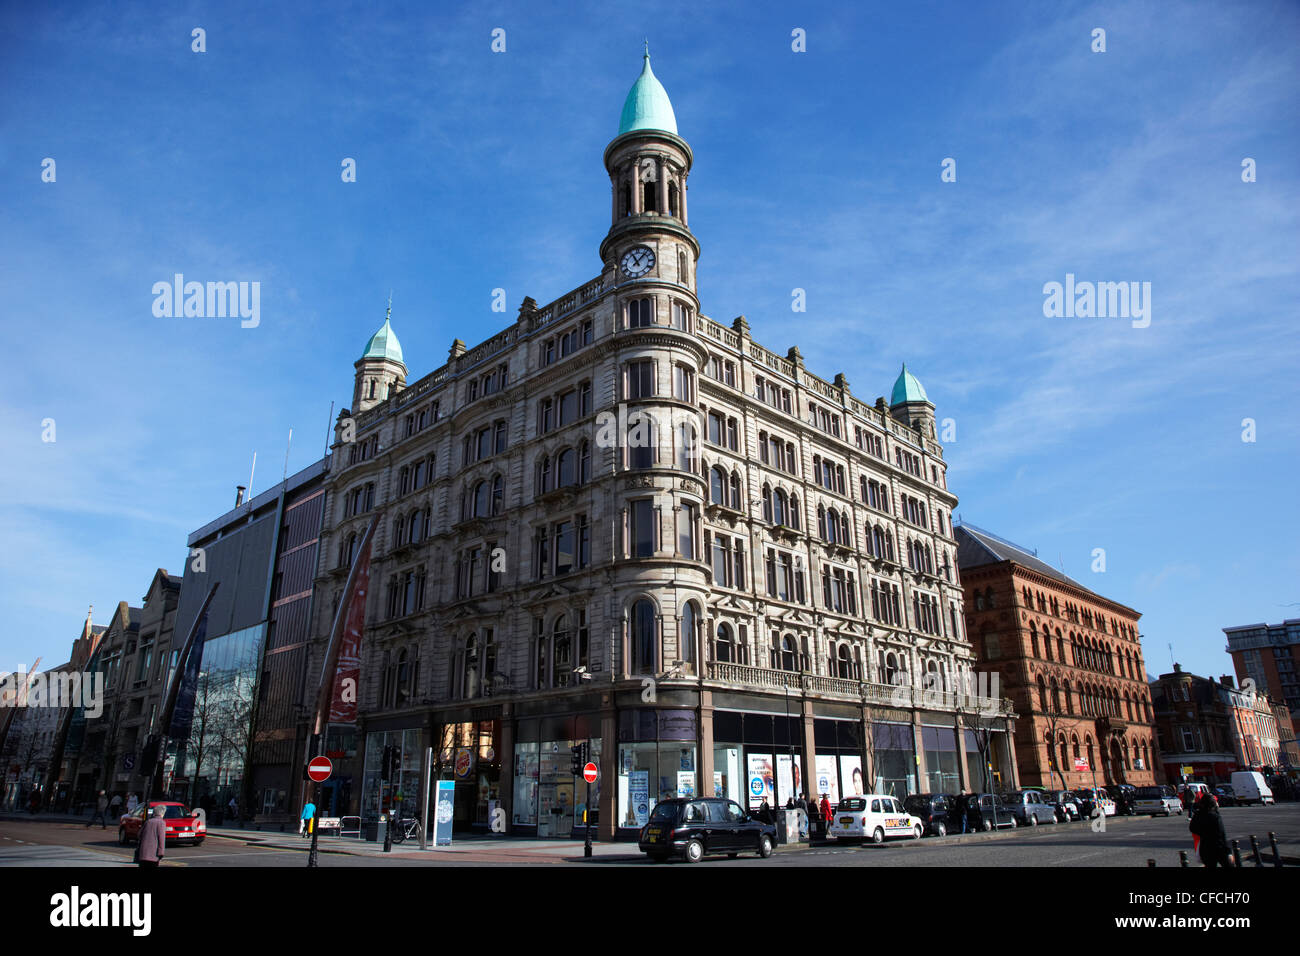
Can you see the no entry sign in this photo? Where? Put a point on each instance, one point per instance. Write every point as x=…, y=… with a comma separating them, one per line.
x=319, y=768
x=589, y=773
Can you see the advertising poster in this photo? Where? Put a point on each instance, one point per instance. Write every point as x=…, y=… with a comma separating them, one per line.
x=788, y=778
x=719, y=789
x=760, y=779
x=638, y=788
x=851, y=774
x=827, y=781
x=445, y=813
x=685, y=783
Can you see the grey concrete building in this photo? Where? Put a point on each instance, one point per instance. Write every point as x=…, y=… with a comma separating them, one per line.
x=619, y=522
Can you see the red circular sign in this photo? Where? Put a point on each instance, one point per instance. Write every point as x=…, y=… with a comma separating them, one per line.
x=589, y=773
x=319, y=768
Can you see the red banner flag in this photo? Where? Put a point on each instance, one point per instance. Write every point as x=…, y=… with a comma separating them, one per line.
x=347, y=676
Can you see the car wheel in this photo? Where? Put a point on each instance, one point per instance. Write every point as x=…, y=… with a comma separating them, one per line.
x=121, y=836
x=987, y=826
x=879, y=836
x=1015, y=824
x=916, y=832
x=765, y=846
x=694, y=851
x=1033, y=821
x=940, y=830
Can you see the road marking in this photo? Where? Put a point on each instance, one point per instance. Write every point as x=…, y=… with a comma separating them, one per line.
x=1083, y=856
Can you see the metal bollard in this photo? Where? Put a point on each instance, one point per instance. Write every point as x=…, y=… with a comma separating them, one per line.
x=1236, y=852
x=1277, y=854
x=1254, y=848
x=1151, y=863
x=1182, y=858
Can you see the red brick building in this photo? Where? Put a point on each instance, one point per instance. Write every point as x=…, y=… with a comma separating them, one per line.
x=1070, y=660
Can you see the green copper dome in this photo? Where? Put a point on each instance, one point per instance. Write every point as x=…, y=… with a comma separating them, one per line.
x=384, y=345
x=907, y=389
x=647, y=106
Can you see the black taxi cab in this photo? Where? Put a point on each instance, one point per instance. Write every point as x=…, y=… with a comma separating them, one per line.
x=690, y=828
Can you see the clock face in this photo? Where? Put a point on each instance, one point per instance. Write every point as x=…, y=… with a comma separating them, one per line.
x=637, y=262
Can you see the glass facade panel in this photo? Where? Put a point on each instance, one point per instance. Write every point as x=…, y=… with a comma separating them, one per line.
x=895, y=759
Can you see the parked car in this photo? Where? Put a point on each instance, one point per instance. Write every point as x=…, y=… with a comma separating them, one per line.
x=1090, y=799
x=1066, y=804
x=691, y=829
x=1249, y=787
x=183, y=825
x=1225, y=795
x=1197, y=790
x=876, y=816
x=936, y=811
x=988, y=812
x=1158, y=801
x=1125, y=797
x=1029, y=807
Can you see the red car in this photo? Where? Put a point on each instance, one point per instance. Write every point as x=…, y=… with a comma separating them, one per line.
x=183, y=825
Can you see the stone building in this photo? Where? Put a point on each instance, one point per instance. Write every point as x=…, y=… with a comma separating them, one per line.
x=618, y=522
x=1070, y=660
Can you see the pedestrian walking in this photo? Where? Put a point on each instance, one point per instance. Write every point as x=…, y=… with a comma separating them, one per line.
x=1211, y=842
x=115, y=806
x=232, y=810
x=959, y=808
x=131, y=803
x=308, y=814
x=101, y=808
x=153, y=839
x=826, y=814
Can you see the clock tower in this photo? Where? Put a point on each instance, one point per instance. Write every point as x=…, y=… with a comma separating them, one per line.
x=649, y=244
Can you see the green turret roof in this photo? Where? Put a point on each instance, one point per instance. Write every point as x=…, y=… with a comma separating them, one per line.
x=647, y=105
x=384, y=345
x=907, y=389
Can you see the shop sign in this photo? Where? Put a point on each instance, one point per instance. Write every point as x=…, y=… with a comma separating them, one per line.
x=1081, y=765
x=464, y=762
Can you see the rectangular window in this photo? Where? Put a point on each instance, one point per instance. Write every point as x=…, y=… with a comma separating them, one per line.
x=641, y=531
x=640, y=379
x=640, y=313
x=569, y=407
x=686, y=531
x=564, y=547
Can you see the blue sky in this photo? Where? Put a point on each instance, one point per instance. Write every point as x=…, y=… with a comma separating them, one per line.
x=817, y=170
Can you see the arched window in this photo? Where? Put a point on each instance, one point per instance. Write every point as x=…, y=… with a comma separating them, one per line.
x=725, y=648
x=1042, y=692
x=403, y=676
x=565, y=464
x=788, y=657
x=735, y=490
x=481, y=491
x=498, y=493
x=415, y=524
x=1069, y=699
x=793, y=517
x=779, y=505
x=1065, y=756
x=542, y=480
x=1075, y=740
x=717, y=485
x=689, y=633
x=561, y=652
x=584, y=462
x=844, y=662
x=469, y=668
x=644, y=650
x=767, y=503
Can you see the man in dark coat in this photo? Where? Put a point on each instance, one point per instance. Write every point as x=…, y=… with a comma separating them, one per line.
x=1207, y=824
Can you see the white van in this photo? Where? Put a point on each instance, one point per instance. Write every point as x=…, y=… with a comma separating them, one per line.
x=1250, y=787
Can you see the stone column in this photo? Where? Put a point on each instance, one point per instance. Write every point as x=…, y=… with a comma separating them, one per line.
x=608, y=769
x=809, y=751
x=681, y=197
x=962, y=771
x=918, y=745
x=637, y=193
x=704, y=781
x=506, y=754
x=662, y=185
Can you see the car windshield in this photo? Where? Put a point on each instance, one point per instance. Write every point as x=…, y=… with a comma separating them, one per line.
x=664, y=813
x=173, y=811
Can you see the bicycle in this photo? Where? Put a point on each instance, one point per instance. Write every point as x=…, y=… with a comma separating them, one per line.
x=406, y=829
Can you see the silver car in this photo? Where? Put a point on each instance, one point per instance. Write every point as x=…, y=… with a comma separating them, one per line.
x=1031, y=807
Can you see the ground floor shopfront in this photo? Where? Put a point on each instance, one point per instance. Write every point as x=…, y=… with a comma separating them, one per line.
x=512, y=763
